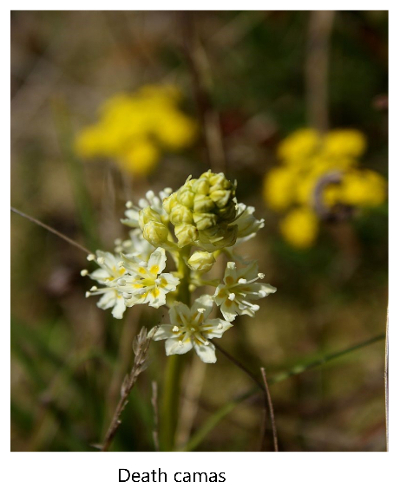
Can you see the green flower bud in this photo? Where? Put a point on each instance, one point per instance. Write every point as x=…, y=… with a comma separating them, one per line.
x=156, y=233
x=201, y=261
x=203, y=204
x=152, y=226
x=170, y=202
x=180, y=214
x=205, y=221
x=186, y=234
x=186, y=198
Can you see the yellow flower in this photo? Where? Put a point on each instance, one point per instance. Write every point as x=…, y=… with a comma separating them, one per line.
x=344, y=143
x=362, y=188
x=279, y=188
x=300, y=227
x=141, y=158
x=134, y=129
x=299, y=145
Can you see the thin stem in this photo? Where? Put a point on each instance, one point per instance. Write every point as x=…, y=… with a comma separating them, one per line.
x=50, y=229
x=270, y=409
x=175, y=366
x=240, y=366
x=215, y=418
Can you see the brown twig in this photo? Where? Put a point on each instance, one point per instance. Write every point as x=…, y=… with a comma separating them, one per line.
x=50, y=229
x=140, y=348
x=154, y=403
x=270, y=408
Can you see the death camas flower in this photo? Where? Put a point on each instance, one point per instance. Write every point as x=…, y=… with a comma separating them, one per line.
x=191, y=328
x=189, y=229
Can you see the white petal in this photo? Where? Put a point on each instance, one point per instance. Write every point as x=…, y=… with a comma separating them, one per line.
x=158, y=259
x=100, y=275
x=229, y=310
x=249, y=272
x=119, y=307
x=204, y=302
x=157, y=301
x=171, y=281
x=230, y=273
x=164, y=332
x=107, y=300
x=179, y=314
x=215, y=328
x=175, y=346
x=205, y=352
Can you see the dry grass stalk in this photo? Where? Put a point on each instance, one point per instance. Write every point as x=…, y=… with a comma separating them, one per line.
x=140, y=349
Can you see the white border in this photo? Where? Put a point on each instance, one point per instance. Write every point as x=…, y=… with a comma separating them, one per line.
x=305, y=473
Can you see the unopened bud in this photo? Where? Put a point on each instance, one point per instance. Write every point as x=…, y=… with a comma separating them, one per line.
x=201, y=261
x=186, y=234
x=156, y=233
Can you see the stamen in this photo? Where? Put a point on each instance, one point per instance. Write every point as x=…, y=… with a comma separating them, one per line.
x=91, y=257
x=84, y=273
x=129, y=204
x=231, y=296
x=242, y=281
x=261, y=275
x=87, y=294
x=101, y=260
x=201, y=310
x=175, y=328
x=94, y=288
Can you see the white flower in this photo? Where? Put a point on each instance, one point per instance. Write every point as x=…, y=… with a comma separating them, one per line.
x=108, y=273
x=143, y=281
x=239, y=287
x=248, y=225
x=136, y=245
x=190, y=328
x=155, y=202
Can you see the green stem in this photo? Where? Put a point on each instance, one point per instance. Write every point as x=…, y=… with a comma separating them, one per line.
x=175, y=366
x=215, y=418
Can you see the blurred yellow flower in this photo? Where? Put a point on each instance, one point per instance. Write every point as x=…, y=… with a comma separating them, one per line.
x=134, y=129
x=300, y=227
x=279, y=188
x=342, y=142
x=299, y=145
x=306, y=158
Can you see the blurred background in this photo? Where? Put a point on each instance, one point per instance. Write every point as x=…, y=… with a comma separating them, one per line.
x=107, y=105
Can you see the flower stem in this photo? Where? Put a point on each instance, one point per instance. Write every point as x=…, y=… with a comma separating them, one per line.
x=175, y=366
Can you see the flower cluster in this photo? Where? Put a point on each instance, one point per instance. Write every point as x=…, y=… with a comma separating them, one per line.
x=134, y=129
x=320, y=169
x=194, y=225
